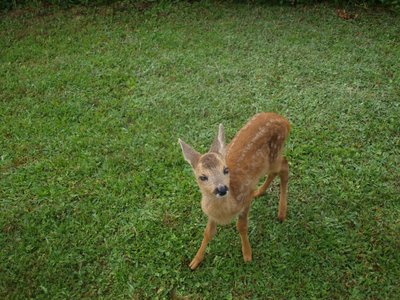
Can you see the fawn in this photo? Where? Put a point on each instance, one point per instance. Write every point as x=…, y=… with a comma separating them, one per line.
x=228, y=176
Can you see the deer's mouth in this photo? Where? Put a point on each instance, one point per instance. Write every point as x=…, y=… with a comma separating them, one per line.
x=221, y=191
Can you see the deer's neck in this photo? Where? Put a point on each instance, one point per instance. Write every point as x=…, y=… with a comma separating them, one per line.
x=221, y=210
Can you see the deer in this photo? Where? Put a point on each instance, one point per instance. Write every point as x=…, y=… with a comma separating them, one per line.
x=228, y=176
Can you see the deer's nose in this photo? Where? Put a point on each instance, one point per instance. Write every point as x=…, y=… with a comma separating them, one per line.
x=221, y=190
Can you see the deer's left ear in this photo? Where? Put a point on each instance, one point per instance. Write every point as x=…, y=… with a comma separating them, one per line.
x=190, y=155
x=218, y=145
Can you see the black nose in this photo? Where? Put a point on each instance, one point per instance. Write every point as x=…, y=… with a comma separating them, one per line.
x=221, y=190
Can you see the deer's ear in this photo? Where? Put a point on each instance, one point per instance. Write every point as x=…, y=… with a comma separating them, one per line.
x=190, y=155
x=218, y=145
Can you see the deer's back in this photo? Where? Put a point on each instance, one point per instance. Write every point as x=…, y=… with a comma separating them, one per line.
x=255, y=149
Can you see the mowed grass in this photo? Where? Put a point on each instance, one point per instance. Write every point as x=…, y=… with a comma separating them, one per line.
x=97, y=200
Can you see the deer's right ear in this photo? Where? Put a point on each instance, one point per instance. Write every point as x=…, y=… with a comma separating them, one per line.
x=190, y=155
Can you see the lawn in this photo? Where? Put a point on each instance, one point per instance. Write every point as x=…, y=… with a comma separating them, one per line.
x=97, y=200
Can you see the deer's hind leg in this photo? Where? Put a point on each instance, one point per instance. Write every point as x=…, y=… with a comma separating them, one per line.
x=265, y=185
x=284, y=176
x=283, y=171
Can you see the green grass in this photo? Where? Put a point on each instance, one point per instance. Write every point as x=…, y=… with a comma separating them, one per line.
x=97, y=201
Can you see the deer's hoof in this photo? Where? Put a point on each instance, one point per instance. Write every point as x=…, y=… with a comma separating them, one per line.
x=195, y=263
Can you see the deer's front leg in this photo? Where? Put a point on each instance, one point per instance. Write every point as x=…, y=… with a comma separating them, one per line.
x=242, y=228
x=209, y=233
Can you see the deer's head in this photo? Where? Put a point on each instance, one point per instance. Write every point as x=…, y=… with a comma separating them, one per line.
x=210, y=169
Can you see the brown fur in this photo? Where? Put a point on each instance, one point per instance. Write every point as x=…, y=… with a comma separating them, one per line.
x=209, y=161
x=254, y=152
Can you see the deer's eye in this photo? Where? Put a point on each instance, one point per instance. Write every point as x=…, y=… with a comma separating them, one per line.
x=203, y=178
x=226, y=170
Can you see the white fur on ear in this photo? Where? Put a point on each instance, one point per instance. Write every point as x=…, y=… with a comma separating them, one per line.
x=190, y=155
x=221, y=138
x=218, y=145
